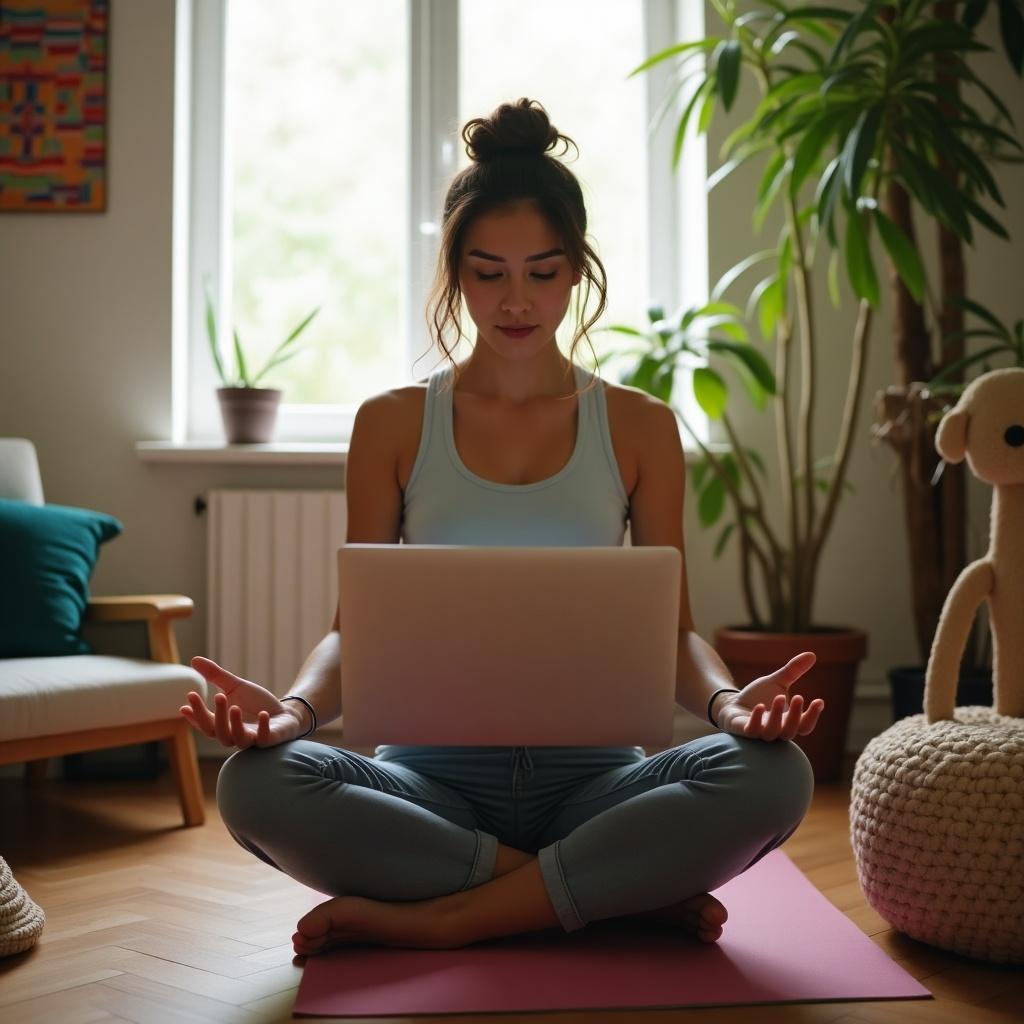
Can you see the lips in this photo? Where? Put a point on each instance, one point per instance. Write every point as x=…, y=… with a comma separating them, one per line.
x=516, y=332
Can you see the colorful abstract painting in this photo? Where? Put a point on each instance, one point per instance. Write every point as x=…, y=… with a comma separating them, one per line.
x=53, y=104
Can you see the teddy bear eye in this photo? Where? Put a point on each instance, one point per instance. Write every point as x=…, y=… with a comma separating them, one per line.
x=1014, y=435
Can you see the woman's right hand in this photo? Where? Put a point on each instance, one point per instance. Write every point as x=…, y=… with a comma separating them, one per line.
x=242, y=702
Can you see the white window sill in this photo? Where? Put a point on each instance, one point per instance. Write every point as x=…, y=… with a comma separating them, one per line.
x=277, y=453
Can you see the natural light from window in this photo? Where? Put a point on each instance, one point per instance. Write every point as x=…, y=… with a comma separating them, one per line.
x=317, y=118
x=573, y=57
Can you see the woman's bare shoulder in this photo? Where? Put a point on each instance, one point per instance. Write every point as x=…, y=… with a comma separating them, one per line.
x=626, y=401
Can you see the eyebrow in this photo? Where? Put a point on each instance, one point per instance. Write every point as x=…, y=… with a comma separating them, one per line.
x=529, y=259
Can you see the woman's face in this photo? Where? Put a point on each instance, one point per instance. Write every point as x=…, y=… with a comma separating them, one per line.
x=505, y=284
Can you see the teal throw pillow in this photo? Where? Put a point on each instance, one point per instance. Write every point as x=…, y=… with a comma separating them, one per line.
x=47, y=554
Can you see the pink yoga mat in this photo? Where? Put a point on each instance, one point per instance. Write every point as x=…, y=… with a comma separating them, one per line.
x=783, y=943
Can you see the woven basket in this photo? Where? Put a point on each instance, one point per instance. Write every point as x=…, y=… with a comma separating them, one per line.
x=937, y=828
x=21, y=920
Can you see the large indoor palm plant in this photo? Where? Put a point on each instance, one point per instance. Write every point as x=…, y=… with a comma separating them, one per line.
x=854, y=102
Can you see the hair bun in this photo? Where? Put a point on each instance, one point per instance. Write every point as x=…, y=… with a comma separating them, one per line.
x=513, y=129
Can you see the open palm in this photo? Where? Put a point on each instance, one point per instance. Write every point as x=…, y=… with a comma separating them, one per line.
x=245, y=713
x=763, y=709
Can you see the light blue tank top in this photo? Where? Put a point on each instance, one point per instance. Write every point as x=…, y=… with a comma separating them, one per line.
x=584, y=504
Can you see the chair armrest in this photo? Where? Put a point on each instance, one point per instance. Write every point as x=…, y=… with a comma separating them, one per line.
x=156, y=610
x=138, y=608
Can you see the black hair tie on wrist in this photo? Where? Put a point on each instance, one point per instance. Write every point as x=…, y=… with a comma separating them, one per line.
x=724, y=689
x=295, y=696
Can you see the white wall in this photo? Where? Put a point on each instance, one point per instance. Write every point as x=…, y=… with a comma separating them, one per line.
x=86, y=372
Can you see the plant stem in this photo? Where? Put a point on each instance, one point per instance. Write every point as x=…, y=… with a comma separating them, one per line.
x=844, y=446
x=746, y=536
x=758, y=509
x=800, y=599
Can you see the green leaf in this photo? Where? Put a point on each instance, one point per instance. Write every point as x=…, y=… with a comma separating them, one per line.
x=980, y=214
x=711, y=502
x=859, y=266
x=749, y=357
x=710, y=391
x=973, y=10
x=860, y=144
x=700, y=470
x=808, y=150
x=768, y=298
x=757, y=461
x=825, y=197
x=734, y=272
x=902, y=253
x=775, y=174
x=853, y=26
x=723, y=538
x=240, y=357
x=728, y=65
x=723, y=172
x=946, y=201
x=963, y=364
x=702, y=90
x=732, y=471
x=1011, y=28
x=707, y=112
x=697, y=44
x=817, y=12
x=274, y=362
x=979, y=311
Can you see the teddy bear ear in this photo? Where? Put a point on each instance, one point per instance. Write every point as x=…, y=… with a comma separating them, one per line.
x=951, y=437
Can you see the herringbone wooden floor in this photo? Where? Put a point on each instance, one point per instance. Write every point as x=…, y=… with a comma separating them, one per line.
x=152, y=922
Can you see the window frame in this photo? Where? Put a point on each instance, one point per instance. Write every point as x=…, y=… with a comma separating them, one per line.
x=201, y=217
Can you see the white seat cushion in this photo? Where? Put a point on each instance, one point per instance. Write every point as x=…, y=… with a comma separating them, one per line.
x=44, y=696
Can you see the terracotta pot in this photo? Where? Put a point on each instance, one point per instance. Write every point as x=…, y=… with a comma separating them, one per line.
x=249, y=414
x=749, y=654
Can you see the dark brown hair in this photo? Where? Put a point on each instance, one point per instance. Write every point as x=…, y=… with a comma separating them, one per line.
x=510, y=164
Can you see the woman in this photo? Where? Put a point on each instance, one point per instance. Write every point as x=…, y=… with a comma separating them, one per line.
x=439, y=847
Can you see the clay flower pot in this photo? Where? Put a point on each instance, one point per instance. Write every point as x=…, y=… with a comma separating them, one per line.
x=249, y=414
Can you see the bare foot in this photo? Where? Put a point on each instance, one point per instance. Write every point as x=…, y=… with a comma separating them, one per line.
x=419, y=924
x=354, y=920
x=702, y=915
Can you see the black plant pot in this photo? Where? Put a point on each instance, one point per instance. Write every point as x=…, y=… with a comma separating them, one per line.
x=907, y=686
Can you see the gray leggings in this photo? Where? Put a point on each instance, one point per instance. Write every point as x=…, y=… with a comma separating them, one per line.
x=615, y=832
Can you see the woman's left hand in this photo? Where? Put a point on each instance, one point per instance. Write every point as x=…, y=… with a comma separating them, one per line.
x=760, y=710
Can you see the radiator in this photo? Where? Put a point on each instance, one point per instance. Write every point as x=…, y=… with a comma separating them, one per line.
x=272, y=579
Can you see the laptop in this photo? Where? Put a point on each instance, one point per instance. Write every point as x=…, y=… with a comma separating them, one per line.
x=465, y=645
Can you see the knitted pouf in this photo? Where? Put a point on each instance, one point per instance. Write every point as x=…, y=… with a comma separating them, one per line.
x=937, y=828
x=21, y=920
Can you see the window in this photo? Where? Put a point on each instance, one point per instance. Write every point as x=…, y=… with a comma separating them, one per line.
x=321, y=144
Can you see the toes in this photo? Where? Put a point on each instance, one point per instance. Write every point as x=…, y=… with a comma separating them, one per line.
x=314, y=925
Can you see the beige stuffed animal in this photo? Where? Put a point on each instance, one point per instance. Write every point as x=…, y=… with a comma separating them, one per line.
x=986, y=425
x=937, y=801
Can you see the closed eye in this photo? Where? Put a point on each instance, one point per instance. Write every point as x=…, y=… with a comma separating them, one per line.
x=491, y=277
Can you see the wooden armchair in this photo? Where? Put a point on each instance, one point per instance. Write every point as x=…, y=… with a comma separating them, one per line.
x=50, y=706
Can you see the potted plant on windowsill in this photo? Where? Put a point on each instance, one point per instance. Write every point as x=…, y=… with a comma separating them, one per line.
x=249, y=413
x=826, y=126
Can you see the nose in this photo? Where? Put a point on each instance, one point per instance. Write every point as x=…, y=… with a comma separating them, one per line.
x=516, y=298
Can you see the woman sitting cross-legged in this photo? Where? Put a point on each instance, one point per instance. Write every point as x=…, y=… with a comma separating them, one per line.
x=439, y=847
